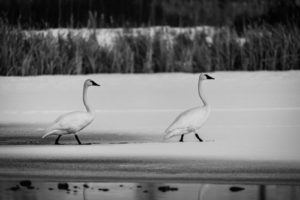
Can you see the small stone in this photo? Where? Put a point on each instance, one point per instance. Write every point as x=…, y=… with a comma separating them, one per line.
x=15, y=188
x=25, y=183
x=167, y=188
x=236, y=189
x=103, y=189
x=63, y=186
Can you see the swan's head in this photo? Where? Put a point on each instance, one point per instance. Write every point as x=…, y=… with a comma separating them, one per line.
x=90, y=82
x=205, y=77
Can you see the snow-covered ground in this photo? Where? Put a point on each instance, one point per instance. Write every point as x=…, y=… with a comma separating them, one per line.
x=243, y=104
x=106, y=36
x=253, y=130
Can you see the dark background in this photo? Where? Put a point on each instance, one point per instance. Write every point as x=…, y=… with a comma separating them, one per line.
x=40, y=14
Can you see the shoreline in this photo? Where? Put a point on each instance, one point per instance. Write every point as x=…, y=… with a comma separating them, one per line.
x=148, y=163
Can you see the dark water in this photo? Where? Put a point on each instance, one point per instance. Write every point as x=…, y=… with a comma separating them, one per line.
x=36, y=190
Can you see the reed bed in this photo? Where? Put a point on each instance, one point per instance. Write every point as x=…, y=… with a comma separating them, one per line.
x=256, y=48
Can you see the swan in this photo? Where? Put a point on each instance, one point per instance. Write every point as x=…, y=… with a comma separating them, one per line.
x=191, y=120
x=71, y=123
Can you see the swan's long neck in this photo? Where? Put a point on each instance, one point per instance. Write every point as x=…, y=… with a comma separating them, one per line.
x=201, y=94
x=88, y=109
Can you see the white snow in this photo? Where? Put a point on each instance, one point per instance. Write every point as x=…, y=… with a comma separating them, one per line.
x=233, y=162
x=106, y=36
x=254, y=123
x=150, y=102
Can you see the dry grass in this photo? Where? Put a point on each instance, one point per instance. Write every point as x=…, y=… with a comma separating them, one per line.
x=265, y=48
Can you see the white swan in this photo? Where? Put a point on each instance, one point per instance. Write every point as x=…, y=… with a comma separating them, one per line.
x=71, y=123
x=191, y=120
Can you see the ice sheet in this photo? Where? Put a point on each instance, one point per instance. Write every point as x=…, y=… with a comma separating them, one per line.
x=252, y=133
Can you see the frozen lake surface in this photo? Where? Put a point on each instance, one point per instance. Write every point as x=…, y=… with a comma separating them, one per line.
x=244, y=104
x=251, y=136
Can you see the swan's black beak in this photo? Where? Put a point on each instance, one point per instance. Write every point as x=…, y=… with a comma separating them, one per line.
x=94, y=83
x=209, y=77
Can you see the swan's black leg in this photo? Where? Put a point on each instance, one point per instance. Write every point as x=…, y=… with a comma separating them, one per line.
x=181, y=138
x=77, y=138
x=197, y=136
x=57, y=139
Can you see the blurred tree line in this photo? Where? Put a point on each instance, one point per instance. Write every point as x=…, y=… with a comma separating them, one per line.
x=132, y=13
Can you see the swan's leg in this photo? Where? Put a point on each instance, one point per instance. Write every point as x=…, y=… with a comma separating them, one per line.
x=181, y=138
x=197, y=136
x=57, y=139
x=77, y=138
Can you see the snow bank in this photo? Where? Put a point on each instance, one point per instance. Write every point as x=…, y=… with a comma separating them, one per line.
x=154, y=162
x=106, y=36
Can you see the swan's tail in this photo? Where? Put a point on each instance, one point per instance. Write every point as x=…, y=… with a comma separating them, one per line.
x=167, y=136
x=49, y=133
x=171, y=133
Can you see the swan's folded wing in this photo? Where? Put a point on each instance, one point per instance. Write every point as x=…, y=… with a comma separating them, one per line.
x=189, y=119
x=73, y=122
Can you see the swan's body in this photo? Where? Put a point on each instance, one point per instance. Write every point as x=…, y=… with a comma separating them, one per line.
x=191, y=120
x=73, y=122
x=70, y=123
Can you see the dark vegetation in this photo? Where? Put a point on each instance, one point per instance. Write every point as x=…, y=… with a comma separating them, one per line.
x=269, y=28
x=39, y=14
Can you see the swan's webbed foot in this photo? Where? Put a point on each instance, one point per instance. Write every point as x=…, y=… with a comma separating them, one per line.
x=57, y=139
x=197, y=136
x=181, y=138
x=77, y=138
